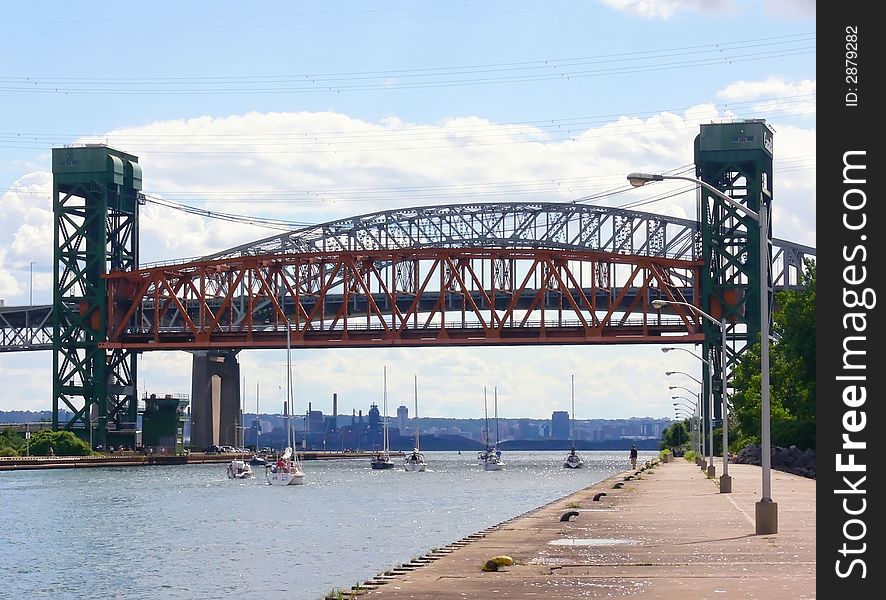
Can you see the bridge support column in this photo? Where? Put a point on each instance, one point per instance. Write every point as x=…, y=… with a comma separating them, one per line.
x=215, y=399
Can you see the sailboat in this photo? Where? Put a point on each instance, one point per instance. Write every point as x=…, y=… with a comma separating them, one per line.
x=287, y=470
x=382, y=460
x=490, y=458
x=416, y=460
x=573, y=460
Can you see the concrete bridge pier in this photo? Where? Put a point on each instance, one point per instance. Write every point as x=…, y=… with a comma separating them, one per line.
x=215, y=399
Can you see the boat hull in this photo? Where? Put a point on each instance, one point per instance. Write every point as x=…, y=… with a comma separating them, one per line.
x=381, y=465
x=415, y=467
x=493, y=466
x=283, y=478
x=572, y=465
x=239, y=469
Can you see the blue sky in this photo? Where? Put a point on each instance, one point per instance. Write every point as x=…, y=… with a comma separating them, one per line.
x=312, y=111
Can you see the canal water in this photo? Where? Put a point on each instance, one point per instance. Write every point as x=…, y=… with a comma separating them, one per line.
x=187, y=531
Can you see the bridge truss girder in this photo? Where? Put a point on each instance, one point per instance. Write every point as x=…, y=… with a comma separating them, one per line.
x=468, y=296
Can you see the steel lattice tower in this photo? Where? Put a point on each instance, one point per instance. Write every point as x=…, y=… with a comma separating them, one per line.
x=95, y=218
x=735, y=158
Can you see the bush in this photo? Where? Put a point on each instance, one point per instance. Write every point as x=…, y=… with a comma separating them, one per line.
x=63, y=443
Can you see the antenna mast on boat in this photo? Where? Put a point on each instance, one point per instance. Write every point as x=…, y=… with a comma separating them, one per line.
x=417, y=447
x=385, y=403
x=486, y=416
x=287, y=406
x=572, y=419
x=496, y=415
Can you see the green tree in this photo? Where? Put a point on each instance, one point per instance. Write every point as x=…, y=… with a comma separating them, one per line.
x=12, y=443
x=63, y=443
x=792, y=374
x=676, y=435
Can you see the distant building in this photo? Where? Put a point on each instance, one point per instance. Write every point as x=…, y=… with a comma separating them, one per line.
x=402, y=419
x=560, y=425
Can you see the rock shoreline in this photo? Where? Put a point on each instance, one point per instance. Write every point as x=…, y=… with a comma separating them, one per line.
x=790, y=460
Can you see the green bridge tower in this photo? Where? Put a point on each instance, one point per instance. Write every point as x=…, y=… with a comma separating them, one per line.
x=95, y=218
x=735, y=158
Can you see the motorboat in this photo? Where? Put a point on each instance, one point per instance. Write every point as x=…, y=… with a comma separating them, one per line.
x=573, y=460
x=286, y=470
x=382, y=460
x=415, y=462
x=239, y=469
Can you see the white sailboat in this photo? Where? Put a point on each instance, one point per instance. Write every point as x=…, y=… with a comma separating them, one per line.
x=239, y=469
x=490, y=458
x=382, y=460
x=287, y=470
x=573, y=460
x=415, y=462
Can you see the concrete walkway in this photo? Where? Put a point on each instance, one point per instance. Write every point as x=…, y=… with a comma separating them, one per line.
x=668, y=534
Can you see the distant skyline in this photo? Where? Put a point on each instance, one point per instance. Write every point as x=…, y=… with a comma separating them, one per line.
x=307, y=113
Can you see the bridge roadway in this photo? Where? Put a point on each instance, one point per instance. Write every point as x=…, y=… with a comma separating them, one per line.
x=667, y=535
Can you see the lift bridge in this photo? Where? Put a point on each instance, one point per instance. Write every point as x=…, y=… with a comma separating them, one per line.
x=511, y=273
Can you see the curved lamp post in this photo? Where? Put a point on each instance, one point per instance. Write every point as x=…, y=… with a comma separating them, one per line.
x=700, y=459
x=693, y=409
x=766, y=510
x=712, y=470
x=725, y=479
x=683, y=415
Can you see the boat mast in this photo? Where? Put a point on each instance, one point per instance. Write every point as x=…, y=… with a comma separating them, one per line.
x=572, y=416
x=417, y=447
x=385, y=406
x=486, y=416
x=257, y=420
x=288, y=403
x=496, y=416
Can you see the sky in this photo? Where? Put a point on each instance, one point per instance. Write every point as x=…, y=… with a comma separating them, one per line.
x=314, y=111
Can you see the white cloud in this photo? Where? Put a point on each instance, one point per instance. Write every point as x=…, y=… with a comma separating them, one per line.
x=317, y=166
x=665, y=9
x=797, y=9
x=789, y=98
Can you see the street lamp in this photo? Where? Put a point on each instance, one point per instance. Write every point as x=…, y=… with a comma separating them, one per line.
x=684, y=415
x=725, y=479
x=766, y=511
x=712, y=470
x=675, y=387
x=695, y=409
x=700, y=459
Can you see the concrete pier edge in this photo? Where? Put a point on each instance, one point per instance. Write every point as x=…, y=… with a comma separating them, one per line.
x=664, y=531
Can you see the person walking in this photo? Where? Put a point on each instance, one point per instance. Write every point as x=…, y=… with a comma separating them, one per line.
x=634, y=457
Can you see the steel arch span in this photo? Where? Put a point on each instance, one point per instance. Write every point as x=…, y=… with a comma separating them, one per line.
x=470, y=274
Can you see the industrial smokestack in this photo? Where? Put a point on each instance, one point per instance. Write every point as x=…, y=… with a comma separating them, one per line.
x=335, y=408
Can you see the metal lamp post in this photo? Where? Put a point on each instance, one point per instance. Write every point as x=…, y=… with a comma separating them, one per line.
x=700, y=459
x=696, y=407
x=700, y=449
x=695, y=422
x=766, y=510
x=682, y=413
x=712, y=470
x=725, y=479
